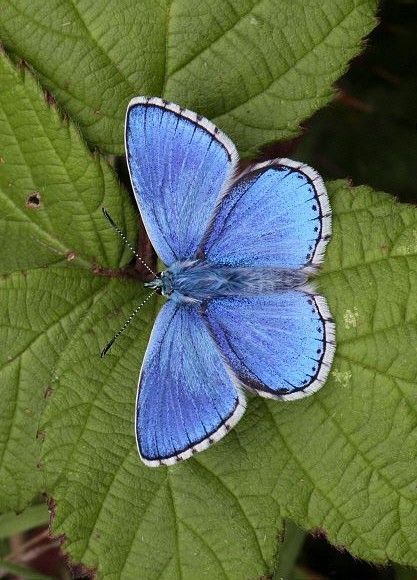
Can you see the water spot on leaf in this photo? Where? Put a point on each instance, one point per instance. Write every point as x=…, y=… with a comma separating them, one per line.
x=351, y=318
x=342, y=378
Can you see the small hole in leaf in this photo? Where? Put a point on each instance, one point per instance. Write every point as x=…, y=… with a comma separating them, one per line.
x=40, y=435
x=48, y=392
x=33, y=200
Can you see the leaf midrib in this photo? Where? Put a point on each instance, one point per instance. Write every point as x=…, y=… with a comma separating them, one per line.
x=223, y=33
x=292, y=66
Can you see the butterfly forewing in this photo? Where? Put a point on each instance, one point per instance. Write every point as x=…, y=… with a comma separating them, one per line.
x=179, y=164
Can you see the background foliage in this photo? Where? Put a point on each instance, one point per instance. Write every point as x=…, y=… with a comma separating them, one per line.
x=342, y=461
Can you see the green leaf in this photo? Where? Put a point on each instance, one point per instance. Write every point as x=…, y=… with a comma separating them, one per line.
x=21, y=571
x=342, y=460
x=51, y=190
x=51, y=187
x=369, y=133
x=257, y=68
x=33, y=516
x=289, y=551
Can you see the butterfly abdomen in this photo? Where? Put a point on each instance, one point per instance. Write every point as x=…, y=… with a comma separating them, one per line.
x=200, y=280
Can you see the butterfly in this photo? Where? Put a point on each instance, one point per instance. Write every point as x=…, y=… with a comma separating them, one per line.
x=239, y=248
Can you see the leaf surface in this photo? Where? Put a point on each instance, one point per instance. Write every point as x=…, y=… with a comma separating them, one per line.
x=342, y=460
x=51, y=191
x=258, y=68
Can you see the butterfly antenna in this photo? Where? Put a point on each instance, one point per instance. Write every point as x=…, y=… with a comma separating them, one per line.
x=125, y=325
x=126, y=241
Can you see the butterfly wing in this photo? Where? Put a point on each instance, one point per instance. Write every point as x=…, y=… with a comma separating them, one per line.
x=179, y=164
x=187, y=399
x=276, y=214
x=289, y=350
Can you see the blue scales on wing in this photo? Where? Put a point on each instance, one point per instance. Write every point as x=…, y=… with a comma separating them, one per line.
x=275, y=214
x=280, y=345
x=187, y=398
x=179, y=165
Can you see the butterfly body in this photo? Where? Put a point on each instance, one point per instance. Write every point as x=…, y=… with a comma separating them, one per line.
x=198, y=280
x=239, y=247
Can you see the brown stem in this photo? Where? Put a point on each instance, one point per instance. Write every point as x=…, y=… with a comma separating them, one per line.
x=37, y=551
x=18, y=546
x=147, y=253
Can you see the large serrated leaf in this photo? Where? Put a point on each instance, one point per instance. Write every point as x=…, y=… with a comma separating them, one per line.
x=51, y=189
x=257, y=68
x=191, y=523
x=342, y=460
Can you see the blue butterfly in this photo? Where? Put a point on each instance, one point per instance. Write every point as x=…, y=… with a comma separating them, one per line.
x=240, y=313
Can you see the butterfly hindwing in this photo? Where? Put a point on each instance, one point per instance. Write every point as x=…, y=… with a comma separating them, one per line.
x=275, y=214
x=187, y=399
x=280, y=345
x=179, y=164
